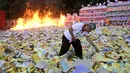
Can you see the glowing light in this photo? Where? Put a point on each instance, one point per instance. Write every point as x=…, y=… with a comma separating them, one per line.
x=33, y=19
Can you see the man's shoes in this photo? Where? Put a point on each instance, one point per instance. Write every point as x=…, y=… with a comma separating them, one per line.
x=76, y=57
x=81, y=58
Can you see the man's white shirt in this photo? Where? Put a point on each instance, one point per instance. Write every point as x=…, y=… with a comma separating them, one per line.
x=77, y=31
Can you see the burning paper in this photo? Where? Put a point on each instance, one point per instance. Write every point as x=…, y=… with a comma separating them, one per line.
x=33, y=19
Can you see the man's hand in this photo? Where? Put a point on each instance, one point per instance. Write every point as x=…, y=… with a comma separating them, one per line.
x=72, y=35
x=90, y=41
x=96, y=49
x=73, y=39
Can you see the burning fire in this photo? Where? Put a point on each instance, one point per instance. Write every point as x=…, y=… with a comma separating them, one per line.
x=33, y=19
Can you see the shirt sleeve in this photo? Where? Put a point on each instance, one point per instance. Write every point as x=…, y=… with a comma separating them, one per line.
x=77, y=26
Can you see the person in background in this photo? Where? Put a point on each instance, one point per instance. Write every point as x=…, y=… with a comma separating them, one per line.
x=71, y=36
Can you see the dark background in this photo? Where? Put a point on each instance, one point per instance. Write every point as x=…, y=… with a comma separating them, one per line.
x=17, y=7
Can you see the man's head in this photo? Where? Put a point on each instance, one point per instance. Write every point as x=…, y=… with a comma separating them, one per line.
x=89, y=27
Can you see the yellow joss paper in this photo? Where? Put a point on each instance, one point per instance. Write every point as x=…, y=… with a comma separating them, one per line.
x=104, y=66
x=125, y=45
x=127, y=64
x=125, y=29
x=36, y=58
x=6, y=64
x=126, y=50
x=127, y=69
x=116, y=66
x=128, y=32
x=95, y=66
x=109, y=68
x=119, y=37
x=23, y=70
x=99, y=57
x=114, y=42
x=109, y=44
x=11, y=70
x=84, y=52
x=92, y=37
x=55, y=69
x=56, y=60
x=112, y=55
x=2, y=50
x=123, y=70
x=51, y=62
x=116, y=47
x=106, y=31
x=31, y=68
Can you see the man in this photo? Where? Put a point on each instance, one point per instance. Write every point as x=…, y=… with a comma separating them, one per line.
x=71, y=36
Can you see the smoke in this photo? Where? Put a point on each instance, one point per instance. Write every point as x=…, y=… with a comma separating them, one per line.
x=46, y=6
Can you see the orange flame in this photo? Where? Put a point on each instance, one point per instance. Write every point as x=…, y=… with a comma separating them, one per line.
x=33, y=19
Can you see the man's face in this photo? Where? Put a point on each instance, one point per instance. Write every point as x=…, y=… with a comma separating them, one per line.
x=87, y=28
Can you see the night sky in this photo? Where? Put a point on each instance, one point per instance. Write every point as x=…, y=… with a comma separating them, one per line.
x=56, y=6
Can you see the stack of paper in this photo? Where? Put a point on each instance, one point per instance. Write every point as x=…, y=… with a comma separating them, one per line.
x=34, y=50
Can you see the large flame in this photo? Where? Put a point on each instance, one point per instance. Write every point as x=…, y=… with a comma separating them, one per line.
x=33, y=19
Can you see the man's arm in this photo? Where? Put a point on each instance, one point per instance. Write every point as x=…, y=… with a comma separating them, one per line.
x=71, y=33
x=91, y=42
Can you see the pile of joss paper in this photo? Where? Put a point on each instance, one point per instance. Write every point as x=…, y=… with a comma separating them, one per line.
x=36, y=51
